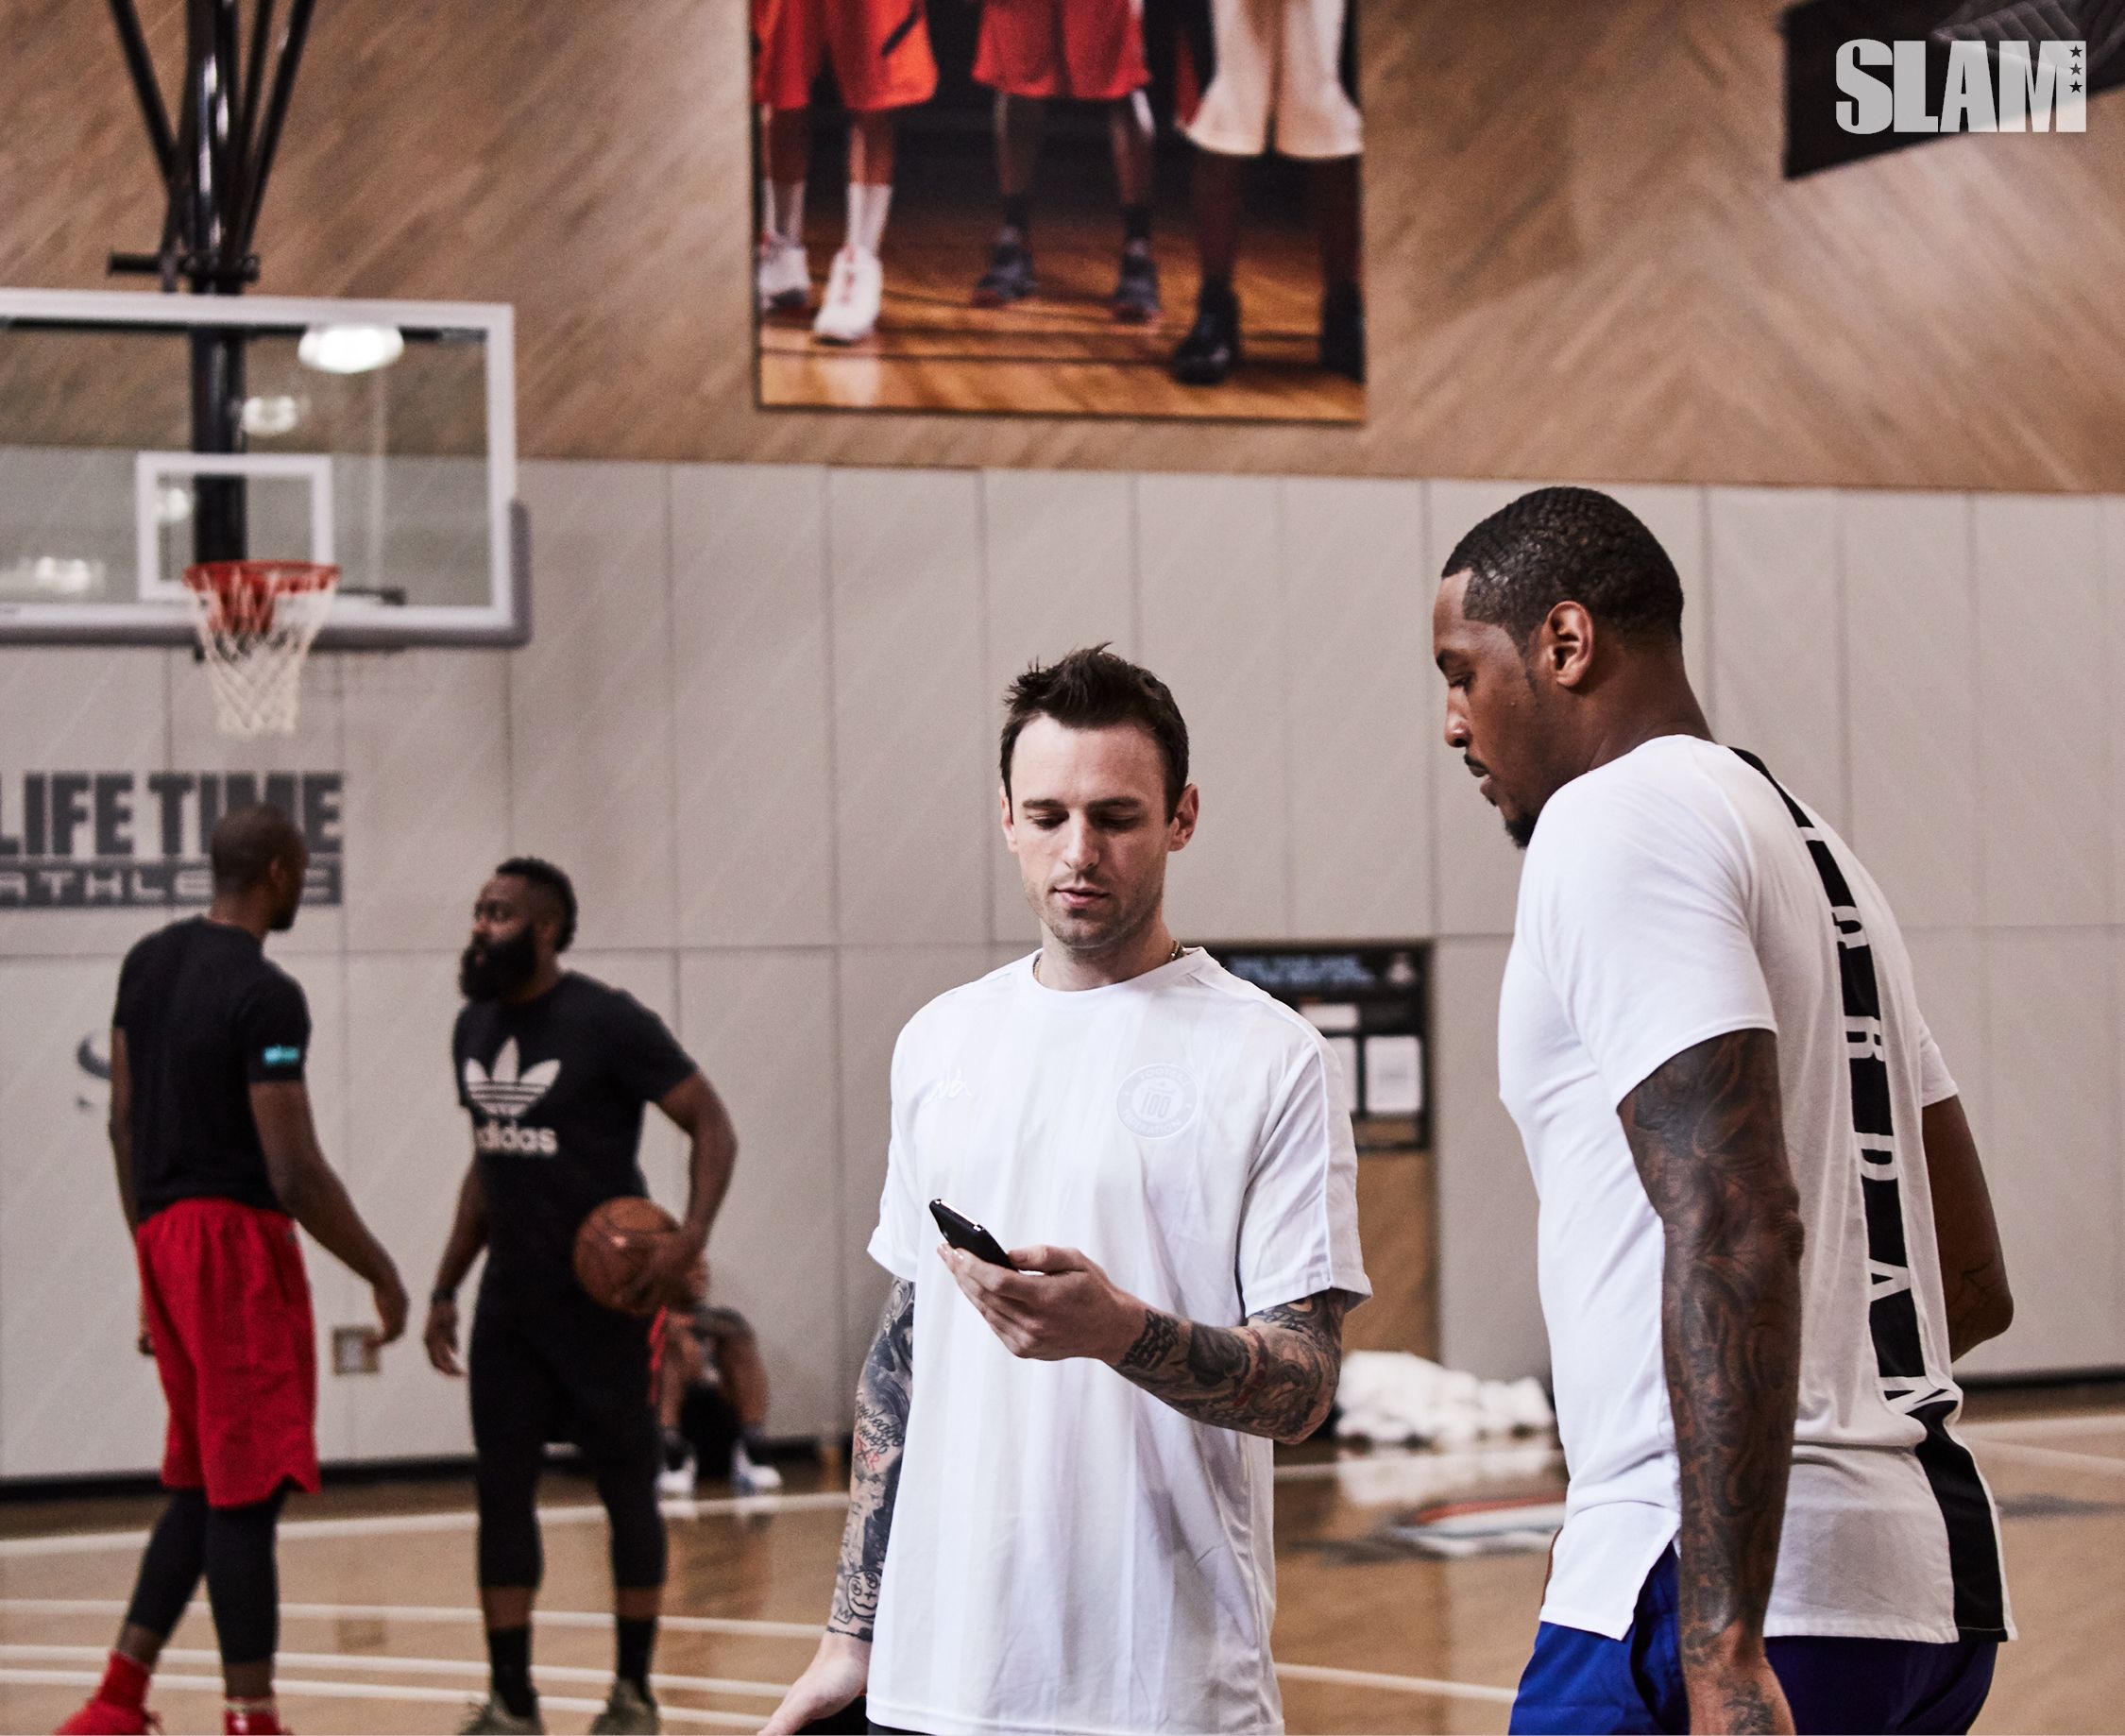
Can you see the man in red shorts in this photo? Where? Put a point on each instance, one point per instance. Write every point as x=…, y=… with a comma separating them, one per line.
x=216, y=1154
x=880, y=50
x=1093, y=50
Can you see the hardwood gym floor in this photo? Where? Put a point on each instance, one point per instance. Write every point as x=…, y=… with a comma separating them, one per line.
x=379, y=1632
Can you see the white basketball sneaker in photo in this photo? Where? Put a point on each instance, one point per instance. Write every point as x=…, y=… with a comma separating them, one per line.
x=676, y=1482
x=853, y=292
x=749, y=1478
x=784, y=276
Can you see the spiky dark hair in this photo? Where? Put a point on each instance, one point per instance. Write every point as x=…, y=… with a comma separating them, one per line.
x=1093, y=689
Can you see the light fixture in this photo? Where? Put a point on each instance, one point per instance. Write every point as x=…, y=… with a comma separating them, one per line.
x=61, y=575
x=349, y=349
x=266, y=418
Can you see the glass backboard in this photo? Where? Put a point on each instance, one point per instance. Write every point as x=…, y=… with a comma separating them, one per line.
x=140, y=433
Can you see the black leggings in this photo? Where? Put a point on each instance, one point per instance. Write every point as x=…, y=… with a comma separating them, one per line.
x=233, y=1548
x=509, y=1547
x=573, y=1375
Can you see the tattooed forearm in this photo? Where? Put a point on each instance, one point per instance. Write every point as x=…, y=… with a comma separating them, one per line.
x=1707, y=1132
x=1275, y=1375
x=882, y=1397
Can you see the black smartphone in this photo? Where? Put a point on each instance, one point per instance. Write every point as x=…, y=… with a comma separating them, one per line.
x=970, y=1237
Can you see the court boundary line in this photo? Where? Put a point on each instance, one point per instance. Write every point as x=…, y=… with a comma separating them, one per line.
x=1406, y=1684
x=442, y=1615
x=410, y=1525
x=376, y=1664
x=717, y=1506
x=407, y=1694
x=1437, y=1687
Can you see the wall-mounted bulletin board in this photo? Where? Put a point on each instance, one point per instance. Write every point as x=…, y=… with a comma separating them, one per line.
x=1372, y=1000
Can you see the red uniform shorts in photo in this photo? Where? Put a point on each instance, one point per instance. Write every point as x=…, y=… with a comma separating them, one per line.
x=879, y=51
x=1090, y=49
x=227, y=1308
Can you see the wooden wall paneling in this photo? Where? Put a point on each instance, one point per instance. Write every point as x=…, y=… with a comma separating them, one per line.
x=1582, y=259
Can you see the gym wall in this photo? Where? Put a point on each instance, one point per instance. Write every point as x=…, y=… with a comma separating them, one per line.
x=757, y=725
x=1582, y=257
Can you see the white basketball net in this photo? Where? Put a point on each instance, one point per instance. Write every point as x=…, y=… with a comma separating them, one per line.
x=256, y=620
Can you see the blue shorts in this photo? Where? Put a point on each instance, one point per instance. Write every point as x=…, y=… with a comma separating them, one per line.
x=1584, y=1682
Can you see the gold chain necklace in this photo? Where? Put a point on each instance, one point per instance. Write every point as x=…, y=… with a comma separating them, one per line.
x=1178, y=950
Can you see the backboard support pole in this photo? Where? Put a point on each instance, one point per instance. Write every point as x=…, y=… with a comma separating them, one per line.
x=142, y=69
x=215, y=170
x=219, y=528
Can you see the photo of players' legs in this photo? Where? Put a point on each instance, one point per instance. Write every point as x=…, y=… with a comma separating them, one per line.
x=1100, y=207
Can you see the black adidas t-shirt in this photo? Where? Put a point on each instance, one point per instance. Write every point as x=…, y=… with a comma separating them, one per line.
x=206, y=1017
x=556, y=1088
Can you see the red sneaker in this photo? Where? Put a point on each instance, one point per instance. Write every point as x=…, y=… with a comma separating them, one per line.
x=101, y=1717
x=263, y=1721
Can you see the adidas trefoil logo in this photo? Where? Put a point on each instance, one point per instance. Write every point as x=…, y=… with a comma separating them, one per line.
x=507, y=1095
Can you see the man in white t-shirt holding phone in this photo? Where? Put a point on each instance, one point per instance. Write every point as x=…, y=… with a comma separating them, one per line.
x=1766, y=1234
x=1061, y=1495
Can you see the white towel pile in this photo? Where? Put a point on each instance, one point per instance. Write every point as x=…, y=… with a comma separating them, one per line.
x=1391, y=1396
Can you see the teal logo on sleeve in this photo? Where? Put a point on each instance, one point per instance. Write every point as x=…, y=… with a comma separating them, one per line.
x=282, y=1055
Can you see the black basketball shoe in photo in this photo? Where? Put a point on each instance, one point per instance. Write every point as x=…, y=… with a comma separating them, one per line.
x=1212, y=349
x=1342, y=331
x=1010, y=277
x=1135, y=301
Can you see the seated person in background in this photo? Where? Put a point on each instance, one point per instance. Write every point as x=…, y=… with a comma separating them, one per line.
x=712, y=1398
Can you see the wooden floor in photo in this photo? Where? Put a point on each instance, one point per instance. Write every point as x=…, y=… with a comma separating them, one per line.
x=1061, y=352
x=379, y=1631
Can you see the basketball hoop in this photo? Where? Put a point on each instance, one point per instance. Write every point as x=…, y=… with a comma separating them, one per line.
x=256, y=620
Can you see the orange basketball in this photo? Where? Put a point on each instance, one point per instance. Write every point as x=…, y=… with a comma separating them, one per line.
x=613, y=1245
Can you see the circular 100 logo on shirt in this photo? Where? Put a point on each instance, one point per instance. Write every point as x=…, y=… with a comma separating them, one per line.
x=1158, y=1101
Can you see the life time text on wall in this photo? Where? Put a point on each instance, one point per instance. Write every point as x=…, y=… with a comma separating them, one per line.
x=74, y=840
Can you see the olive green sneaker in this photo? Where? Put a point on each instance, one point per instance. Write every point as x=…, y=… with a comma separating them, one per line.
x=628, y=1713
x=493, y=1718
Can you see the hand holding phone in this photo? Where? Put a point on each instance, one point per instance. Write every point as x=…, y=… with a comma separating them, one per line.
x=969, y=1237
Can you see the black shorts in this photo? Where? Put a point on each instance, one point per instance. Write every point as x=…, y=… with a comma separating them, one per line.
x=560, y=1370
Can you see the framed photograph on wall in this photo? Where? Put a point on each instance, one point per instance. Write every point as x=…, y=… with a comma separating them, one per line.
x=1119, y=207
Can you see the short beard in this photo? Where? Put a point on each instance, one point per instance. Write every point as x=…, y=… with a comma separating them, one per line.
x=1522, y=831
x=498, y=971
x=1127, y=926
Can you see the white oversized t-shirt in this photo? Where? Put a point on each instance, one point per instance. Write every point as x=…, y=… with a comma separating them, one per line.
x=1669, y=897
x=1068, y=1552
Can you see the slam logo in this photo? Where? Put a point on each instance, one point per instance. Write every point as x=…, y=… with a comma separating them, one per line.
x=2040, y=87
x=505, y=1093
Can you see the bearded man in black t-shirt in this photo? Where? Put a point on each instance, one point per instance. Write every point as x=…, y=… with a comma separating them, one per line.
x=555, y=1069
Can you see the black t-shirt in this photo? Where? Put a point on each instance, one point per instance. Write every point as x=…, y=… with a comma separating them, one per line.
x=206, y=1017
x=556, y=1088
